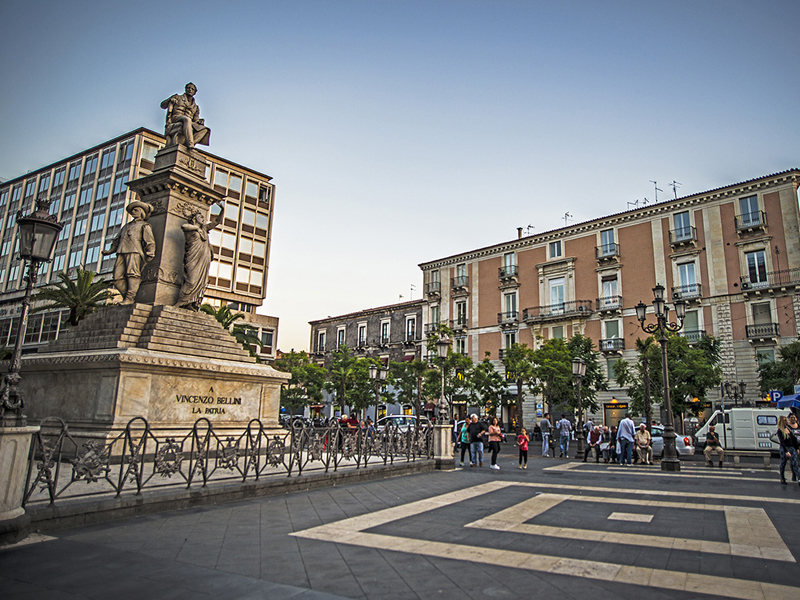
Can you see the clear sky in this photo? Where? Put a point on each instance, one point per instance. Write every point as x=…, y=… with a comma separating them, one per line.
x=399, y=132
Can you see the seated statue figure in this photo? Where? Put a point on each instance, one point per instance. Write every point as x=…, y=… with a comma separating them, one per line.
x=184, y=125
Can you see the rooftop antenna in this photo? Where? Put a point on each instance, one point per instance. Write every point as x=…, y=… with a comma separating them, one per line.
x=675, y=185
x=413, y=287
x=658, y=189
x=635, y=203
x=400, y=297
x=528, y=229
x=567, y=216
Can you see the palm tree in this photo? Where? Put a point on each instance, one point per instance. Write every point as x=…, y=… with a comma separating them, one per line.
x=243, y=334
x=82, y=295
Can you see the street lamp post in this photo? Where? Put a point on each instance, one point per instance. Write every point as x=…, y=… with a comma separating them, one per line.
x=37, y=237
x=734, y=391
x=578, y=372
x=670, y=460
x=378, y=375
x=442, y=441
x=442, y=349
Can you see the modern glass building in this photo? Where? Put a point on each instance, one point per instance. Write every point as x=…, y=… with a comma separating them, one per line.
x=88, y=193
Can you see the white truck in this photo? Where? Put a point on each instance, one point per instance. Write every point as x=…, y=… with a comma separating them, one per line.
x=743, y=428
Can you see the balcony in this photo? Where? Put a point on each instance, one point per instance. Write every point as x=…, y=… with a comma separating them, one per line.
x=459, y=324
x=750, y=222
x=558, y=312
x=606, y=252
x=763, y=331
x=319, y=350
x=508, y=318
x=693, y=335
x=612, y=346
x=783, y=280
x=433, y=288
x=682, y=236
x=431, y=328
x=690, y=291
x=509, y=276
x=609, y=304
x=411, y=339
x=459, y=285
x=501, y=353
x=384, y=341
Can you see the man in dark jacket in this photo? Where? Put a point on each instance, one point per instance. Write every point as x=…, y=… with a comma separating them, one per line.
x=475, y=430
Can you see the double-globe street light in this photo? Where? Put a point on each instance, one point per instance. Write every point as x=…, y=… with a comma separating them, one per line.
x=669, y=461
x=37, y=238
x=442, y=349
x=734, y=391
x=578, y=373
x=378, y=375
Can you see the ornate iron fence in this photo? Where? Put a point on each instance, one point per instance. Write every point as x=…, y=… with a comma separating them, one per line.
x=142, y=458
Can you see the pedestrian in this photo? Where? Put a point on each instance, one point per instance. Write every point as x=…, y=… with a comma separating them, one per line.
x=713, y=445
x=546, y=428
x=605, y=444
x=522, y=442
x=593, y=440
x=644, y=445
x=625, y=435
x=564, y=427
x=476, y=429
x=463, y=438
x=495, y=436
x=789, y=438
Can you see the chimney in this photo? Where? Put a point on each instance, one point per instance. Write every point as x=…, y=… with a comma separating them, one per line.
x=519, y=233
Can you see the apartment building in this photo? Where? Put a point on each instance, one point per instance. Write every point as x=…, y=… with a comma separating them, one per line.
x=732, y=253
x=88, y=193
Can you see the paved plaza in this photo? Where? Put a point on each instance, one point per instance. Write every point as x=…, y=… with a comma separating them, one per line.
x=560, y=529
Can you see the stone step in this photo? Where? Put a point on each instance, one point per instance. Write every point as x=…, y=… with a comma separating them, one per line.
x=190, y=341
x=245, y=357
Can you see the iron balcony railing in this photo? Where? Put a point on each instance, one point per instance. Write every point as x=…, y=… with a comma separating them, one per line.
x=572, y=308
x=683, y=235
x=609, y=303
x=688, y=291
x=763, y=330
x=751, y=220
x=773, y=278
x=411, y=338
x=508, y=271
x=461, y=281
x=433, y=287
x=510, y=316
x=458, y=323
x=606, y=251
x=612, y=345
x=431, y=327
x=384, y=341
x=693, y=335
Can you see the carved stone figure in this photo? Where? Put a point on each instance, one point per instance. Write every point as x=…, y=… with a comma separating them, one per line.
x=134, y=246
x=184, y=125
x=196, y=260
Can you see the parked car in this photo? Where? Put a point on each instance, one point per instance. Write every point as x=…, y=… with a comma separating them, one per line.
x=684, y=444
x=402, y=422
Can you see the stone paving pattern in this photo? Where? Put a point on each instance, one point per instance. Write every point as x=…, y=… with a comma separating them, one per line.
x=245, y=550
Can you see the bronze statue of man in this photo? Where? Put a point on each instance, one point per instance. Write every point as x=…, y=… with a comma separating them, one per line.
x=134, y=246
x=184, y=125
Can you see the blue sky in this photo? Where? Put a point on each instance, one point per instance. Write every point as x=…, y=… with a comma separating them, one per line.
x=402, y=132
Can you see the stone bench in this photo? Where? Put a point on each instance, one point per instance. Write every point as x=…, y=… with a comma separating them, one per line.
x=737, y=454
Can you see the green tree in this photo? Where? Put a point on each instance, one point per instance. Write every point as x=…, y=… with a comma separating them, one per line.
x=488, y=385
x=594, y=380
x=81, y=296
x=553, y=375
x=244, y=335
x=781, y=374
x=637, y=378
x=521, y=367
x=406, y=380
x=308, y=379
x=348, y=379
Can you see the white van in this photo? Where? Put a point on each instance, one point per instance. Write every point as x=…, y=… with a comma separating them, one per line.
x=743, y=428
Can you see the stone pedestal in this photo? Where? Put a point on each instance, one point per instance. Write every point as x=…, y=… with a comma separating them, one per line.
x=176, y=188
x=443, y=447
x=15, y=443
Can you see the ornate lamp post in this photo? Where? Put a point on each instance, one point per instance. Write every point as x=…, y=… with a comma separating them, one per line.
x=670, y=461
x=37, y=237
x=442, y=442
x=442, y=349
x=734, y=391
x=378, y=375
x=578, y=372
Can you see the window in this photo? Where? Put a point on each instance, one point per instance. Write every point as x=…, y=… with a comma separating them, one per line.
x=510, y=338
x=434, y=315
x=320, y=341
x=235, y=184
x=75, y=258
x=261, y=221
x=231, y=211
x=607, y=245
x=509, y=259
x=765, y=355
x=69, y=201
x=557, y=298
x=411, y=328
x=385, y=332
x=149, y=152
x=756, y=268
x=555, y=249
x=97, y=222
x=691, y=323
x=80, y=228
x=612, y=372
x=89, y=168
x=557, y=332
x=686, y=276
x=510, y=305
x=108, y=159
x=340, y=337
x=251, y=189
x=74, y=171
x=266, y=341
x=762, y=313
x=683, y=228
x=248, y=217
x=461, y=346
x=461, y=314
x=58, y=177
x=44, y=183
x=766, y=420
x=461, y=270
x=362, y=335
x=750, y=212
x=92, y=254
x=612, y=330
x=119, y=184
x=435, y=276
x=609, y=292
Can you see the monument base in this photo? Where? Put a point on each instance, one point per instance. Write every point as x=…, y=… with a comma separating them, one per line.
x=15, y=443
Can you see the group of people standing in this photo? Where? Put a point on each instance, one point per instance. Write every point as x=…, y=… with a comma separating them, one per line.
x=472, y=435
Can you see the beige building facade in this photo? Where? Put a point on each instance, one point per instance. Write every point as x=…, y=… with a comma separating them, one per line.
x=88, y=193
x=733, y=254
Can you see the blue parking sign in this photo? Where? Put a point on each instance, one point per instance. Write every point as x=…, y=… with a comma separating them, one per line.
x=775, y=395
